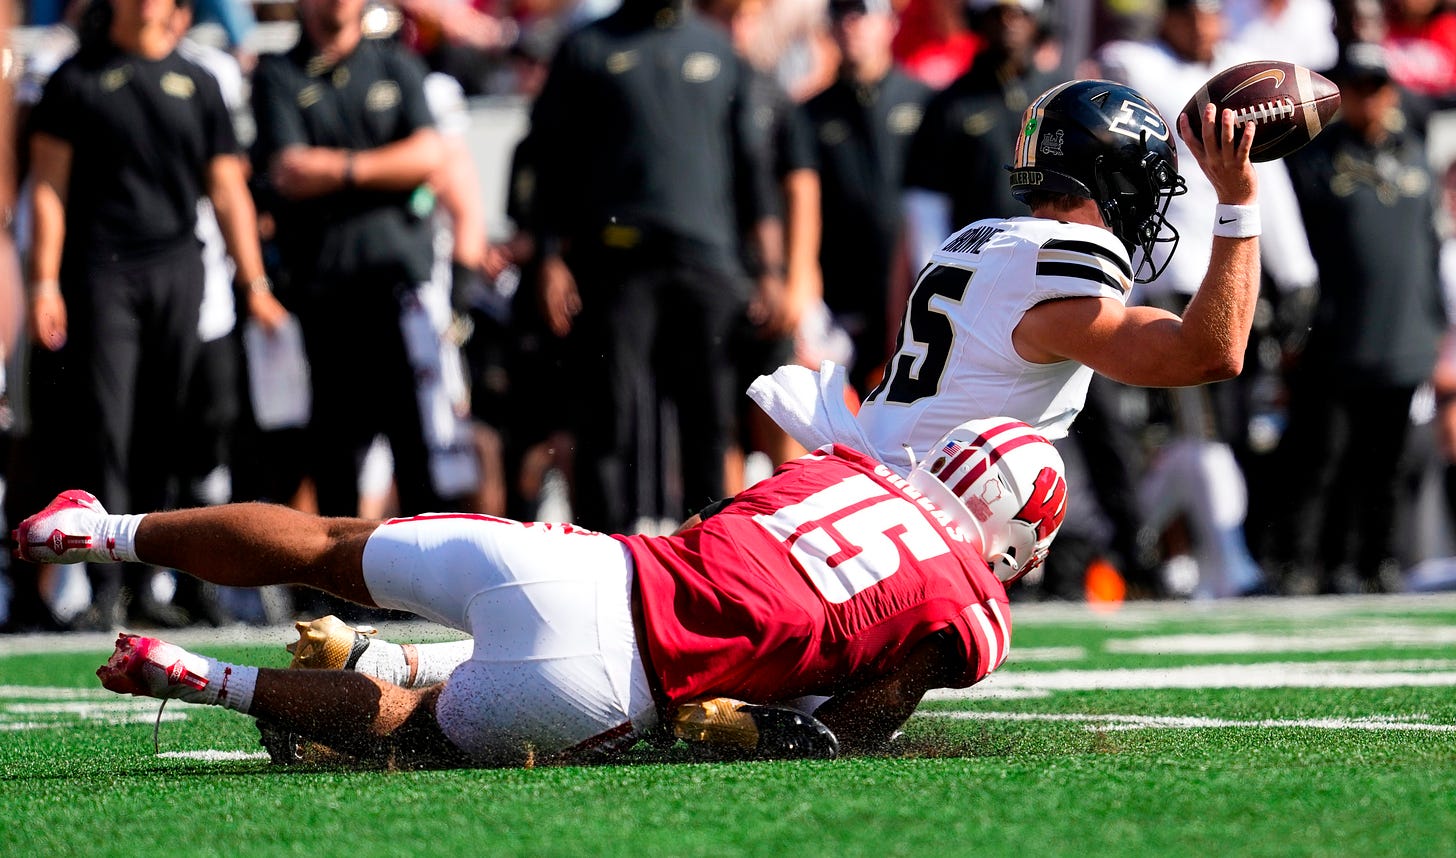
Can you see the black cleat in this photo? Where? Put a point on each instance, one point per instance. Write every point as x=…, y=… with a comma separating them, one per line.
x=731, y=729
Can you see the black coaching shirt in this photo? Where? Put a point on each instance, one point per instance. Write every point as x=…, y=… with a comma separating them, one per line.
x=862, y=136
x=371, y=98
x=967, y=139
x=142, y=134
x=646, y=139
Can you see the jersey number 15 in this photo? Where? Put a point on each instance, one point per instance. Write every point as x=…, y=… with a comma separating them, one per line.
x=933, y=334
x=848, y=537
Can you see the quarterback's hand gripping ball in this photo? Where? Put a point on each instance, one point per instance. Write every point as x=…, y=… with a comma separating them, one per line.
x=1288, y=104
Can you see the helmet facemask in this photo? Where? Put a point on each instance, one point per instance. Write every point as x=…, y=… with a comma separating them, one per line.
x=1134, y=202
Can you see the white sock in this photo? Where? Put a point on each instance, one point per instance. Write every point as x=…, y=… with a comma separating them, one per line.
x=234, y=684
x=432, y=663
x=117, y=538
x=223, y=684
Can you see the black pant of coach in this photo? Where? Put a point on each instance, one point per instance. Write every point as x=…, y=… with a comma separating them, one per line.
x=649, y=328
x=363, y=386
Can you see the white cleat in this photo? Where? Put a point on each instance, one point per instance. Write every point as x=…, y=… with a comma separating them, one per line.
x=66, y=531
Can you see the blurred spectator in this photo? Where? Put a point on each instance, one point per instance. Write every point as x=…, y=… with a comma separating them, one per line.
x=460, y=38
x=1359, y=21
x=955, y=173
x=934, y=45
x=1366, y=193
x=128, y=136
x=794, y=42
x=790, y=153
x=644, y=152
x=462, y=300
x=863, y=125
x=346, y=143
x=1299, y=31
x=22, y=608
x=1420, y=43
x=235, y=17
x=205, y=465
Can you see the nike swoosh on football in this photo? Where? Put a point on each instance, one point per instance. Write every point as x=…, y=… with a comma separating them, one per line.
x=1276, y=75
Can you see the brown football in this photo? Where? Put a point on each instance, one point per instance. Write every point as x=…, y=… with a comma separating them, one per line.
x=1289, y=104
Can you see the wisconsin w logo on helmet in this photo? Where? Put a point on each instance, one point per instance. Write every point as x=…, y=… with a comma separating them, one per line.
x=1002, y=481
x=1044, y=510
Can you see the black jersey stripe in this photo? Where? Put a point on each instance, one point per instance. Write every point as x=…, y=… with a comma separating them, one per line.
x=1090, y=249
x=1079, y=271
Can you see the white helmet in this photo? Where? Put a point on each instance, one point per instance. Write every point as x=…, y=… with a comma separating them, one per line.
x=1004, y=482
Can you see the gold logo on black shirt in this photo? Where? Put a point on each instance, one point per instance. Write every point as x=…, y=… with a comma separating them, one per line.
x=310, y=95
x=834, y=132
x=701, y=67
x=978, y=124
x=382, y=95
x=178, y=85
x=621, y=61
x=341, y=77
x=904, y=118
x=115, y=79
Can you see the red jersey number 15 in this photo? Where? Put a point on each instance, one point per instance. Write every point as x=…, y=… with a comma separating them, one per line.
x=849, y=536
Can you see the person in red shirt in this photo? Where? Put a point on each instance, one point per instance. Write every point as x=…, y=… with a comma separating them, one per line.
x=836, y=577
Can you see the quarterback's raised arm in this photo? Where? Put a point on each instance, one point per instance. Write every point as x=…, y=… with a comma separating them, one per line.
x=1151, y=347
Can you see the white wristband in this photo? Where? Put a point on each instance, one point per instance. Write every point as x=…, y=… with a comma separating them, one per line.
x=1236, y=221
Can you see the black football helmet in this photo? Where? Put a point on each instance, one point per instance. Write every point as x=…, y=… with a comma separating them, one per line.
x=1104, y=141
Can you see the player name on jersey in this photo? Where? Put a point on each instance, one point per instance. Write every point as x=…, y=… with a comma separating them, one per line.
x=972, y=240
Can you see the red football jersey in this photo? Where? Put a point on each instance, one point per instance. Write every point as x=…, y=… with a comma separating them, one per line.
x=822, y=577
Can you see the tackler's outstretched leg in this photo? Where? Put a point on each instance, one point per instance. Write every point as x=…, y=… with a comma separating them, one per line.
x=237, y=545
x=349, y=712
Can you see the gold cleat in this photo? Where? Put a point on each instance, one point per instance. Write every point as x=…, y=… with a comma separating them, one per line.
x=329, y=643
x=719, y=721
x=732, y=729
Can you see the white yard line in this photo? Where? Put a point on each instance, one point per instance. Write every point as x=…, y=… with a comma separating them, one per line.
x=1317, y=674
x=211, y=756
x=1102, y=723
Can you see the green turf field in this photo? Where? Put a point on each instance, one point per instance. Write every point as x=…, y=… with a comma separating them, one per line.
x=1271, y=727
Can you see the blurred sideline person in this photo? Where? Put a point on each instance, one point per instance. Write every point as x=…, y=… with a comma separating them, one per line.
x=1014, y=316
x=346, y=143
x=955, y=173
x=863, y=124
x=836, y=576
x=789, y=150
x=646, y=164
x=1367, y=193
x=128, y=135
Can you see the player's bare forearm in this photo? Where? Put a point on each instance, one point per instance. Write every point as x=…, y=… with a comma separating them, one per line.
x=1217, y=321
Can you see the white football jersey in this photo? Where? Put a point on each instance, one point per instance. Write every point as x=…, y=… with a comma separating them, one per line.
x=955, y=360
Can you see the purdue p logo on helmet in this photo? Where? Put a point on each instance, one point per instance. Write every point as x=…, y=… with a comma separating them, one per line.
x=1103, y=141
x=1002, y=481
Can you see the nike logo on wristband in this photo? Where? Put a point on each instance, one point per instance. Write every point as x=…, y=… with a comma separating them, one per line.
x=1227, y=219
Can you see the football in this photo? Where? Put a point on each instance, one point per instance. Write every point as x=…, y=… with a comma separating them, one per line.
x=1289, y=104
